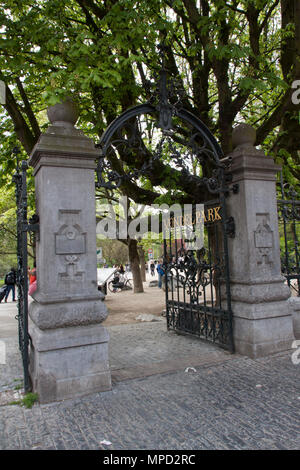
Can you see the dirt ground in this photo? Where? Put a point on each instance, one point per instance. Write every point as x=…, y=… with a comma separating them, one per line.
x=124, y=307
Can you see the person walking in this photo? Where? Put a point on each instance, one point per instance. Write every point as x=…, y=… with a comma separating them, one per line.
x=32, y=280
x=152, y=268
x=32, y=274
x=161, y=273
x=10, y=281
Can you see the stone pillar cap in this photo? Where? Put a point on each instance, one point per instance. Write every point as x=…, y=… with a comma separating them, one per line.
x=64, y=114
x=249, y=162
x=62, y=140
x=243, y=135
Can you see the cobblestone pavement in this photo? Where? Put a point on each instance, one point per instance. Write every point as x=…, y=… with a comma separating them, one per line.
x=11, y=373
x=131, y=346
x=147, y=343
x=232, y=403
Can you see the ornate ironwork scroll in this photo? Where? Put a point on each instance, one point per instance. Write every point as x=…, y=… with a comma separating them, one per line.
x=289, y=231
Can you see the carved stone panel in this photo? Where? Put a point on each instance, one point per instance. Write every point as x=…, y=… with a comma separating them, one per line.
x=70, y=245
x=70, y=239
x=263, y=240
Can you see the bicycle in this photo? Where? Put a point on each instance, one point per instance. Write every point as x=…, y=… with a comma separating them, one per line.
x=119, y=282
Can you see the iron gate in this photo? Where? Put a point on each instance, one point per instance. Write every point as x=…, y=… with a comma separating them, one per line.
x=143, y=139
x=196, y=279
x=23, y=228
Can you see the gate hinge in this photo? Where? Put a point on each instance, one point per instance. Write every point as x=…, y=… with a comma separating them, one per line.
x=235, y=188
x=230, y=227
x=33, y=225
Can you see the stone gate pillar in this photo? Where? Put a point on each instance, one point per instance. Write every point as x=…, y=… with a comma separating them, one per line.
x=69, y=352
x=262, y=320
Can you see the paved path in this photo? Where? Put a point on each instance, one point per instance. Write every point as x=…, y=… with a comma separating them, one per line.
x=228, y=402
x=217, y=407
x=8, y=323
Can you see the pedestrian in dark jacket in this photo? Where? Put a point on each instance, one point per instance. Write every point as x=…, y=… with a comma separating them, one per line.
x=152, y=268
x=10, y=281
x=161, y=273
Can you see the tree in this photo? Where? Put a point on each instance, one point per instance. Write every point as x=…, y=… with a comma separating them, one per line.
x=114, y=252
x=234, y=60
x=8, y=236
x=7, y=233
x=111, y=213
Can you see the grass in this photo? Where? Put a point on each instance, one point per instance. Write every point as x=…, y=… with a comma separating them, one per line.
x=28, y=400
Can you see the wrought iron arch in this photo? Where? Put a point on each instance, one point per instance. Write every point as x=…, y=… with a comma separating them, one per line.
x=150, y=109
x=163, y=112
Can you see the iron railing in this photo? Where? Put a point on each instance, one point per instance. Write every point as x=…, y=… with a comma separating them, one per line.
x=289, y=232
x=22, y=269
x=23, y=229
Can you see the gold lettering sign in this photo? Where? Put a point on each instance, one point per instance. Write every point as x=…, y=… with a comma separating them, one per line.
x=211, y=215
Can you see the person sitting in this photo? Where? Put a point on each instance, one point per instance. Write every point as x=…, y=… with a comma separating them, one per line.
x=121, y=269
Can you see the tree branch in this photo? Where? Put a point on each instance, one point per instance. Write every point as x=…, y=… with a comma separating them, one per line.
x=28, y=110
x=25, y=135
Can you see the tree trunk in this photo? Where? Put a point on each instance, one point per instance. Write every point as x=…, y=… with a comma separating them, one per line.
x=142, y=262
x=135, y=266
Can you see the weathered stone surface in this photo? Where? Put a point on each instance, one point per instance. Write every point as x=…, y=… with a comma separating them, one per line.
x=147, y=317
x=294, y=303
x=63, y=113
x=69, y=358
x=230, y=402
x=242, y=135
x=69, y=362
x=65, y=314
x=64, y=162
x=256, y=293
x=263, y=336
x=262, y=318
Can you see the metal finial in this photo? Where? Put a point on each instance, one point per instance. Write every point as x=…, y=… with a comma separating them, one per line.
x=164, y=107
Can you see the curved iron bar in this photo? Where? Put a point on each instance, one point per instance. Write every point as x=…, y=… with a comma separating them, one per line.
x=150, y=109
x=213, y=152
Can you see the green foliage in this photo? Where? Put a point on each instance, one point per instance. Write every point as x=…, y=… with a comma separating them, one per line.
x=102, y=54
x=7, y=231
x=114, y=251
x=28, y=400
x=8, y=234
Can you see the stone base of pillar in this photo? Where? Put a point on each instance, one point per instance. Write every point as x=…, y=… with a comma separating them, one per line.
x=61, y=313
x=69, y=362
x=295, y=311
x=263, y=328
